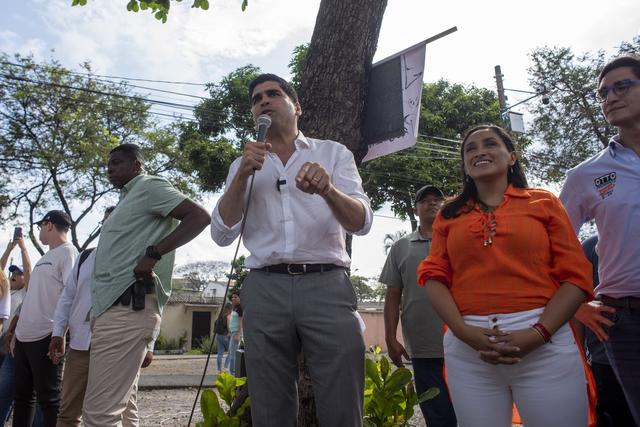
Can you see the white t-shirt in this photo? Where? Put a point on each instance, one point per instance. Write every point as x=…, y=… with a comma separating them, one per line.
x=5, y=306
x=45, y=286
x=16, y=299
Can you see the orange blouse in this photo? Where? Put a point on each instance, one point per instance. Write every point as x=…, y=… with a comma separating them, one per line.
x=534, y=250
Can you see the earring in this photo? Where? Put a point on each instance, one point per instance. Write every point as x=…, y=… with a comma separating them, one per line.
x=467, y=179
x=511, y=169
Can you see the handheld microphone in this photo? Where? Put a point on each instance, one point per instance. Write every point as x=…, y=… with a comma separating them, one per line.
x=262, y=125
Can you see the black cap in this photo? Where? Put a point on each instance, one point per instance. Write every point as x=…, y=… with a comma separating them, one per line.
x=427, y=189
x=56, y=217
x=15, y=269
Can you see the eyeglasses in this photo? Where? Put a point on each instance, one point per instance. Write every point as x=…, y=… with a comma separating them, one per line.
x=619, y=88
x=42, y=224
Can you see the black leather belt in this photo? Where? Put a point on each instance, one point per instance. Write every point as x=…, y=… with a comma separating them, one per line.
x=296, y=269
x=624, y=302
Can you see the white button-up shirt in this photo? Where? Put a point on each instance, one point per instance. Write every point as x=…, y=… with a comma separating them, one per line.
x=606, y=188
x=287, y=225
x=74, y=305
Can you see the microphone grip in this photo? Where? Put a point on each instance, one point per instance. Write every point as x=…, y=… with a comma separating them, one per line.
x=262, y=133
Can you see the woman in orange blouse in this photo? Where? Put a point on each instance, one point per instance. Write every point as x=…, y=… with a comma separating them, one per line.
x=506, y=274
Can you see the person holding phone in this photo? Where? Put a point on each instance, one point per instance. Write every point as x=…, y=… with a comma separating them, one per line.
x=18, y=279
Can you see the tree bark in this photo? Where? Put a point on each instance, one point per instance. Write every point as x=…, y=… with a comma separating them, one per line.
x=333, y=90
x=335, y=74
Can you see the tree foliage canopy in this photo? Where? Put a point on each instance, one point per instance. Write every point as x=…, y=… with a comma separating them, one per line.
x=571, y=126
x=56, y=129
x=159, y=8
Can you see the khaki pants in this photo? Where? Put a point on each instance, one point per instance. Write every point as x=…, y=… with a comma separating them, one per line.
x=74, y=385
x=118, y=345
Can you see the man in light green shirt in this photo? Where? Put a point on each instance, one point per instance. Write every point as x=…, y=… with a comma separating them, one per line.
x=131, y=281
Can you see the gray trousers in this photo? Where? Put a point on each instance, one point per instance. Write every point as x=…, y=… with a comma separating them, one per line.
x=283, y=314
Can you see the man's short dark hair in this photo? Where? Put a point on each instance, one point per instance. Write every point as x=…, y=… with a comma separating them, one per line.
x=284, y=85
x=632, y=61
x=130, y=150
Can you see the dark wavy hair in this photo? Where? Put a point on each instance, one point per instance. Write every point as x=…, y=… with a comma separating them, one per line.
x=464, y=202
x=284, y=85
x=632, y=61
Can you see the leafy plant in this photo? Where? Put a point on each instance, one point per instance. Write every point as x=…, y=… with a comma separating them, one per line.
x=389, y=395
x=214, y=414
x=162, y=343
x=204, y=345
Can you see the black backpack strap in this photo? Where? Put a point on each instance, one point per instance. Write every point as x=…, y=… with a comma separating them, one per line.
x=83, y=257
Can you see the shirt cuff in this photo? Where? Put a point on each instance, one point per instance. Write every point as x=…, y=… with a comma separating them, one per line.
x=58, y=331
x=368, y=218
x=220, y=232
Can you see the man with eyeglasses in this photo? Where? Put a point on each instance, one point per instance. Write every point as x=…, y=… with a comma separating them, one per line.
x=606, y=188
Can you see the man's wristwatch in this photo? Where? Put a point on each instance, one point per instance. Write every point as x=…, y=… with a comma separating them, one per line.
x=152, y=252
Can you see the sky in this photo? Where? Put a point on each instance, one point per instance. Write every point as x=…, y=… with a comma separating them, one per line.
x=203, y=46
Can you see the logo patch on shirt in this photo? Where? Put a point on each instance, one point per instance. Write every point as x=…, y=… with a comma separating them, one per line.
x=605, y=184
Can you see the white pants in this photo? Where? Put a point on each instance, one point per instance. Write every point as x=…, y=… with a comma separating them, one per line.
x=548, y=385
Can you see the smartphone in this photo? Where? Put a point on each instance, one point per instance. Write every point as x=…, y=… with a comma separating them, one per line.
x=17, y=233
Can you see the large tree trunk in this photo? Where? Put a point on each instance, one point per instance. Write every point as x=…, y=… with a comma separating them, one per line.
x=333, y=93
x=336, y=71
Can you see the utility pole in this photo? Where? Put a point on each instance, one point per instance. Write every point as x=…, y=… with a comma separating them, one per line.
x=501, y=98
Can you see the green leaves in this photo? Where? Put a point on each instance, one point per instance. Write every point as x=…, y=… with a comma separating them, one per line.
x=389, y=396
x=214, y=415
x=202, y=4
x=132, y=6
x=570, y=125
x=160, y=8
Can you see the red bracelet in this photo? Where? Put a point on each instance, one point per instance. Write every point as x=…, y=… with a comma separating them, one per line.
x=544, y=332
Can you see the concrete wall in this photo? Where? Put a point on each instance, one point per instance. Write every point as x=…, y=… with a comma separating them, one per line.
x=178, y=318
x=374, y=332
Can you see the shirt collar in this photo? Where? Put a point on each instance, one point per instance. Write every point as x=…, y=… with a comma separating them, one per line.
x=415, y=236
x=302, y=141
x=129, y=185
x=614, y=145
x=520, y=193
x=511, y=191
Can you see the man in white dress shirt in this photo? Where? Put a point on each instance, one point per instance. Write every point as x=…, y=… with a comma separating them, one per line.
x=306, y=197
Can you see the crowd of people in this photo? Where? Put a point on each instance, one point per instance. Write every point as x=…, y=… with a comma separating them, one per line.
x=493, y=290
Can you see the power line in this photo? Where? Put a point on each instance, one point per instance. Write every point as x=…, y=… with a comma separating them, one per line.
x=114, y=77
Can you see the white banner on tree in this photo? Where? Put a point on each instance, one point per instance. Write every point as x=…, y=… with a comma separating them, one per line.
x=411, y=71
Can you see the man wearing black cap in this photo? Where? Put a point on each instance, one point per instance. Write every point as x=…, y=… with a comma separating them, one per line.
x=422, y=329
x=33, y=368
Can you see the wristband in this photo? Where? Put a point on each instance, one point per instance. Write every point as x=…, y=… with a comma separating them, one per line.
x=543, y=331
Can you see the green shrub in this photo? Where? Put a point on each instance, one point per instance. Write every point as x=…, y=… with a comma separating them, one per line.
x=204, y=345
x=214, y=414
x=389, y=394
x=163, y=343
